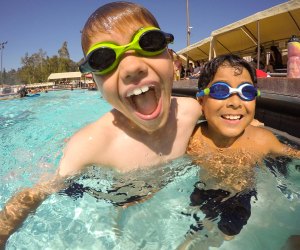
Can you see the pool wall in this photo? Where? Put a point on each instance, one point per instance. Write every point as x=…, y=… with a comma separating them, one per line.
x=278, y=107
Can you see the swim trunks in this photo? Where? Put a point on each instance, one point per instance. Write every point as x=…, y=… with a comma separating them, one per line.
x=232, y=212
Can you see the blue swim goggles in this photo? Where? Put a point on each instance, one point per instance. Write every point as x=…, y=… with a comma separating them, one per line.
x=221, y=91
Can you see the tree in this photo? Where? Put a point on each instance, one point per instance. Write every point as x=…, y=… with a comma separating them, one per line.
x=63, y=52
x=38, y=66
x=12, y=78
x=33, y=69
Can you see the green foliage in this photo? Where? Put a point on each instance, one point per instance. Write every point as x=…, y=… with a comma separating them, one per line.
x=11, y=77
x=38, y=66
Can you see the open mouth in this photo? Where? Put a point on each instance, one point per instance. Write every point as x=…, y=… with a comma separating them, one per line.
x=144, y=100
x=232, y=117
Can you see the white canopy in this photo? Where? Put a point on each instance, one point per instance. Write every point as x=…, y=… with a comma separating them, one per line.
x=272, y=26
x=65, y=75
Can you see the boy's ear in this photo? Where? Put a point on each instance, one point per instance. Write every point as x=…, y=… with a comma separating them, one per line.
x=200, y=100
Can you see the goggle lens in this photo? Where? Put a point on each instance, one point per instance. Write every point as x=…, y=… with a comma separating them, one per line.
x=219, y=91
x=249, y=91
x=153, y=41
x=102, y=58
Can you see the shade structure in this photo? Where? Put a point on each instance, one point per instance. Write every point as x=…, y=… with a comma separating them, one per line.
x=273, y=26
x=65, y=75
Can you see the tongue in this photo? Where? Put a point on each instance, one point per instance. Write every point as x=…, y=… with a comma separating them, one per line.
x=145, y=103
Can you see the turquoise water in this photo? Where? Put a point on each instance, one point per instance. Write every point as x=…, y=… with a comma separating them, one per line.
x=33, y=132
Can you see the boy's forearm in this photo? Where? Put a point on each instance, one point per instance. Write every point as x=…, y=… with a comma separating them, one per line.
x=292, y=152
x=17, y=209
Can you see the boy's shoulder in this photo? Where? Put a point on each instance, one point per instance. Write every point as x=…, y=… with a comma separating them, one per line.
x=270, y=142
x=259, y=133
x=185, y=100
x=186, y=106
x=263, y=139
x=87, y=145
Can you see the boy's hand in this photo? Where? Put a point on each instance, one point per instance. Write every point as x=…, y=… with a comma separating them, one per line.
x=257, y=123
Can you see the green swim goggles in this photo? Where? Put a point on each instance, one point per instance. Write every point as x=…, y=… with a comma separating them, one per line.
x=104, y=57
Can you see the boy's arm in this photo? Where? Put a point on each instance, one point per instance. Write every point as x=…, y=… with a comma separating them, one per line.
x=17, y=209
x=25, y=202
x=277, y=148
x=280, y=149
x=291, y=152
x=21, y=205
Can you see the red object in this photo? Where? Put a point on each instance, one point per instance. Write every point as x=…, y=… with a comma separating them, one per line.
x=261, y=74
x=89, y=75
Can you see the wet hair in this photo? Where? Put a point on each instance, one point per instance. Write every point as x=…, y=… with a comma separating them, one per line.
x=114, y=16
x=210, y=68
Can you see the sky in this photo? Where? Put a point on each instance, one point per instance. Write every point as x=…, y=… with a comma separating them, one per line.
x=30, y=25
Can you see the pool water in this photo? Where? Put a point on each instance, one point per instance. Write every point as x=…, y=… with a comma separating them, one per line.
x=33, y=133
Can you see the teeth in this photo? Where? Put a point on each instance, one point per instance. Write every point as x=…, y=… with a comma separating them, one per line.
x=138, y=91
x=232, y=117
x=145, y=89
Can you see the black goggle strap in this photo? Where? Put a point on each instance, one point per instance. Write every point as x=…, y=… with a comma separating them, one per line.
x=169, y=37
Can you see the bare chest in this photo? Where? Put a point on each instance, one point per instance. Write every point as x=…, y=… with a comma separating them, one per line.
x=127, y=153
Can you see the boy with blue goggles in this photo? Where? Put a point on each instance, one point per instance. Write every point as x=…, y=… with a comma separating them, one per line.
x=227, y=147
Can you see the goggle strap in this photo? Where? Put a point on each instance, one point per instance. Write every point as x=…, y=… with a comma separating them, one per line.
x=203, y=92
x=206, y=91
x=169, y=37
x=258, y=92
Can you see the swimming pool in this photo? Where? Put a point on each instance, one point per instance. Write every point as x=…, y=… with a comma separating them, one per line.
x=33, y=132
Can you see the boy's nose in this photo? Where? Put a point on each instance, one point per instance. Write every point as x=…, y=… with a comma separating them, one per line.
x=234, y=101
x=132, y=66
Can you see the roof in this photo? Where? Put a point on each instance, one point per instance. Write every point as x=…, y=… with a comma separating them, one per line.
x=271, y=26
x=64, y=75
x=37, y=85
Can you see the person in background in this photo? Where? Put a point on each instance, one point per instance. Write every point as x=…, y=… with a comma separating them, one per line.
x=190, y=70
x=196, y=71
x=262, y=59
x=177, y=68
x=127, y=54
x=275, y=58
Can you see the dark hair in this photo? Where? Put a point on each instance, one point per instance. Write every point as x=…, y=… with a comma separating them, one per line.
x=262, y=49
x=115, y=16
x=210, y=68
x=276, y=58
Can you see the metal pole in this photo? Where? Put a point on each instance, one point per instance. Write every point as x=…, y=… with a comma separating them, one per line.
x=2, y=48
x=188, y=33
x=258, y=44
x=188, y=24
